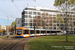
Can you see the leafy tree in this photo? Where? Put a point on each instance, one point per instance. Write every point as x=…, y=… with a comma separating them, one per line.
x=0, y=26
x=59, y=20
x=1, y=31
x=73, y=9
x=13, y=25
x=66, y=5
x=8, y=27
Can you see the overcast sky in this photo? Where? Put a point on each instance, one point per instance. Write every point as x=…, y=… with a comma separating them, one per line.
x=7, y=8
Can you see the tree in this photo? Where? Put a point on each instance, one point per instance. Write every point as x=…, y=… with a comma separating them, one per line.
x=13, y=25
x=73, y=9
x=59, y=19
x=66, y=5
x=1, y=31
x=44, y=20
x=0, y=26
x=8, y=28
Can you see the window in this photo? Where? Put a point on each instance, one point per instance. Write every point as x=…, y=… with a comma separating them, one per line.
x=57, y=24
x=54, y=15
x=34, y=12
x=18, y=22
x=38, y=13
x=30, y=12
x=61, y=15
x=48, y=10
x=23, y=20
x=26, y=12
x=29, y=16
x=19, y=32
x=26, y=24
x=23, y=16
x=30, y=24
x=25, y=32
x=26, y=16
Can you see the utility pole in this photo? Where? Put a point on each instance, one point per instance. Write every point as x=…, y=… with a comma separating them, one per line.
x=7, y=26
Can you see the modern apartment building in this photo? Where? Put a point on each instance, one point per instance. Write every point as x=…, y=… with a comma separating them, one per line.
x=45, y=19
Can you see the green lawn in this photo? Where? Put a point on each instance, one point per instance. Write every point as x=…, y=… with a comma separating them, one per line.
x=3, y=37
x=52, y=43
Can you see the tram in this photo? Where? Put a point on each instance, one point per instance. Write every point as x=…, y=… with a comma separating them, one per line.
x=22, y=32
x=25, y=32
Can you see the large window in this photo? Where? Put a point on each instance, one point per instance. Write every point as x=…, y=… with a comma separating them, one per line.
x=25, y=32
x=19, y=31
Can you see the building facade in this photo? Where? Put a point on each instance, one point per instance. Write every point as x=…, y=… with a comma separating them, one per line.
x=3, y=28
x=46, y=19
x=29, y=14
x=18, y=22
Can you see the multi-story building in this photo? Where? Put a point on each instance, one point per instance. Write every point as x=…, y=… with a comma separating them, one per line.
x=3, y=28
x=29, y=14
x=48, y=16
x=18, y=22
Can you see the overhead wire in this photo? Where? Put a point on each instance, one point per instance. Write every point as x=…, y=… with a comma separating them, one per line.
x=37, y=3
x=16, y=6
x=6, y=13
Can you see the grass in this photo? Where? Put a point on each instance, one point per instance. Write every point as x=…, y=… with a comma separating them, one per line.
x=3, y=37
x=52, y=43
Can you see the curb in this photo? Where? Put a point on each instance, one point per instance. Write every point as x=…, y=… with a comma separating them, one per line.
x=25, y=48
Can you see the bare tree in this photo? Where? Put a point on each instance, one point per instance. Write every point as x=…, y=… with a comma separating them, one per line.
x=43, y=21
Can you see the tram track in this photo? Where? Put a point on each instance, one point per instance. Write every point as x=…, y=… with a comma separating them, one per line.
x=10, y=45
x=16, y=45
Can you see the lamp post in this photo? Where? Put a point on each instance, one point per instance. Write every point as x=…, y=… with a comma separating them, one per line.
x=7, y=26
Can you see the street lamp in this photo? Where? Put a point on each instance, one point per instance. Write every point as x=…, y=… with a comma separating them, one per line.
x=7, y=26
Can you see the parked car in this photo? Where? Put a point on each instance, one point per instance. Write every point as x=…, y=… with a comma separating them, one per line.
x=11, y=33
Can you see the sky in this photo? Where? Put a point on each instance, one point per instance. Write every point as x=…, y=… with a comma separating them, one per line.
x=8, y=9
